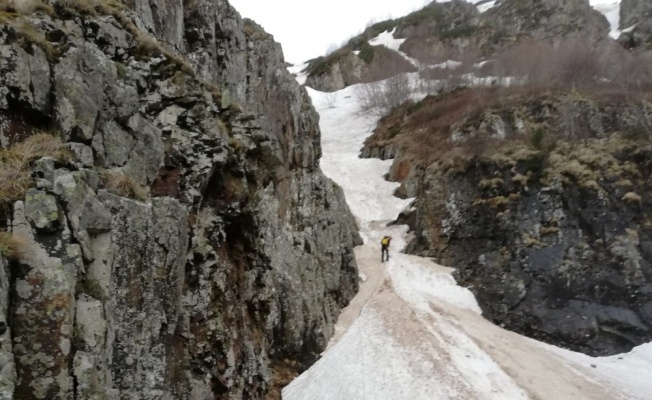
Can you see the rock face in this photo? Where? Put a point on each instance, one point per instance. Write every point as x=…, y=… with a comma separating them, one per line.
x=189, y=247
x=636, y=17
x=547, y=19
x=457, y=30
x=8, y=369
x=348, y=67
x=550, y=228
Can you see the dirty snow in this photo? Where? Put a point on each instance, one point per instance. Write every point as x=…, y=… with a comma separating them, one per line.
x=411, y=333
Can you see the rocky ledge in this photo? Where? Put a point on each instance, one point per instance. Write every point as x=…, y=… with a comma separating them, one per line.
x=171, y=234
x=541, y=203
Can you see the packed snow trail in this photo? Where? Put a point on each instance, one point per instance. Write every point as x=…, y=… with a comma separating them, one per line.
x=411, y=333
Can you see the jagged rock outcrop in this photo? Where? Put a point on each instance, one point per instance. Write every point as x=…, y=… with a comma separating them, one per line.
x=457, y=30
x=440, y=27
x=547, y=19
x=347, y=67
x=636, y=19
x=186, y=245
x=542, y=206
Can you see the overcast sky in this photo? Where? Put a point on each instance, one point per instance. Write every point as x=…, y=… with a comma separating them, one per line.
x=306, y=28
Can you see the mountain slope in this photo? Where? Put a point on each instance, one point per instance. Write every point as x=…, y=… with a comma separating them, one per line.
x=539, y=200
x=458, y=30
x=411, y=332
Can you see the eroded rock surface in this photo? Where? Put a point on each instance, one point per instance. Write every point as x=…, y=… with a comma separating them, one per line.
x=636, y=20
x=187, y=246
x=542, y=207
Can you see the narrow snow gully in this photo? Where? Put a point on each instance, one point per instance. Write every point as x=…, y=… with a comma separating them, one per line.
x=411, y=333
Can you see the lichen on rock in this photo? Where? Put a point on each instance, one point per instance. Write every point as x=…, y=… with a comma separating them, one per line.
x=188, y=246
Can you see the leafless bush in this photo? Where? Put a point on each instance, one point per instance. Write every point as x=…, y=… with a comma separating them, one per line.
x=380, y=94
x=331, y=99
x=575, y=63
x=383, y=96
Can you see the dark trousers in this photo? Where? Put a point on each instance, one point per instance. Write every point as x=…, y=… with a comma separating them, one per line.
x=384, y=252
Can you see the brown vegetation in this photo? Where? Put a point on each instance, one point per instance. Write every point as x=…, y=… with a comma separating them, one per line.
x=575, y=63
x=12, y=247
x=123, y=185
x=454, y=131
x=15, y=174
x=282, y=374
x=569, y=64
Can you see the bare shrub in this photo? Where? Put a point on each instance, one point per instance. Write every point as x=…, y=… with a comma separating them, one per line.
x=632, y=198
x=381, y=94
x=575, y=63
x=331, y=99
x=385, y=95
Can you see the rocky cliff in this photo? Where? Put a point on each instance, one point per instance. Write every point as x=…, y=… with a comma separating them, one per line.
x=540, y=202
x=636, y=19
x=457, y=30
x=172, y=236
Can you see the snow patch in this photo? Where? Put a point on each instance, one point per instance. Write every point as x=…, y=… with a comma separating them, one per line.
x=387, y=39
x=446, y=64
x=486, y=6
x=412, y=332
x=628, y=30
x=611, y=10
x=298, y=71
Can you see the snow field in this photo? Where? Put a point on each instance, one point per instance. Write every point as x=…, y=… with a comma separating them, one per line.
x=411, y=332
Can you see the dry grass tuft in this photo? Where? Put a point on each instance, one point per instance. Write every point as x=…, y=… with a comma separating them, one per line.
x=12, y=9
x=520, y=179
x=15, y=174
x=282, y=374
x=123, y=185
x=491, y=183
x=15, y=180
x=531, y=241
x=147, y=45
x=548, y=230
x=632, y=198
x=40, y=145
x=89, y=7
x=12, y=247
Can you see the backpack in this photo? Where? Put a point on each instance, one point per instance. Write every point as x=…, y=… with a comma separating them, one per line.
x=385, y=241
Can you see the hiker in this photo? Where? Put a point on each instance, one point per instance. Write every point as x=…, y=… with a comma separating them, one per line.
x=384, y=248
